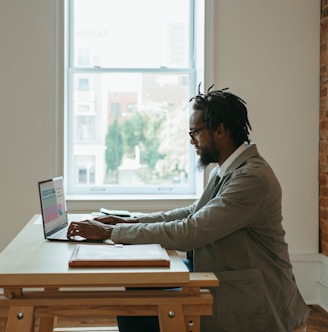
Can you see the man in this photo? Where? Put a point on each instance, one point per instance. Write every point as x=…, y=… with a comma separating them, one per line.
x=234, y=230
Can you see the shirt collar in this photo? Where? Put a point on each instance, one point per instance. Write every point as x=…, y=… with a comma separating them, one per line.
x=223, y=168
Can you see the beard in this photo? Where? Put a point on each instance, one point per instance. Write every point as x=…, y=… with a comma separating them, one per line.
x=206, y=157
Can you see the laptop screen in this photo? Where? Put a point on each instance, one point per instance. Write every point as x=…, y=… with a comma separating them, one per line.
x=53, y=204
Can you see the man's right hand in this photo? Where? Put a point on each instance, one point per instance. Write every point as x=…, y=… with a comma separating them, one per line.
x=90, y=229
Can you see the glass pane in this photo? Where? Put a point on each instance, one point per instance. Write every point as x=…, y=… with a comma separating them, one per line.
x=130, y=129
x=131, y=33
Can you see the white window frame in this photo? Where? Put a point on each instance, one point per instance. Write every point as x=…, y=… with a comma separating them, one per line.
x=205, y=49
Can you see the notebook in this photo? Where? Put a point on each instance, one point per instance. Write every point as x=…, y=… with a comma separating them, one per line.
x=53, y=210
x=119, y=255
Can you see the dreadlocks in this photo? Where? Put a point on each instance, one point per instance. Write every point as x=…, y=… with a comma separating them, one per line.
x=222, y=107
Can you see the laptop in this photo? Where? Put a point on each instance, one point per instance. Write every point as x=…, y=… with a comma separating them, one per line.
x=53, y=210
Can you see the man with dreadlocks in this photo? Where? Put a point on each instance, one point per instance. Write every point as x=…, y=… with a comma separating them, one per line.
x=234, y=229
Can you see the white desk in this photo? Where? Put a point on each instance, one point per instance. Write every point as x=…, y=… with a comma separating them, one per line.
x=38, y=283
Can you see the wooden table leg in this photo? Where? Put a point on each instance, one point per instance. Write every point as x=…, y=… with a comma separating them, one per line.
x=192, y=323
x=3, y=324
x=171, y=318
x=47, y=324
x=20, y=319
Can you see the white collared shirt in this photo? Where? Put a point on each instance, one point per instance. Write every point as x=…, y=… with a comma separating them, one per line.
x=223, y=168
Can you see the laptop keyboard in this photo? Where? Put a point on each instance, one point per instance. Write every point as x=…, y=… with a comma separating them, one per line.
x=61, y=234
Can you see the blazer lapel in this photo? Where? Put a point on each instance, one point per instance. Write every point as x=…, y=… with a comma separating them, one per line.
x=209, y=191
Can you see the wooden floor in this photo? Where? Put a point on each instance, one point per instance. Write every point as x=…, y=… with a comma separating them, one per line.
x=317, y=322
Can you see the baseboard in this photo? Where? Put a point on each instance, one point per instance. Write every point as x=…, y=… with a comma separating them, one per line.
x=311, y=274
x=323, y=282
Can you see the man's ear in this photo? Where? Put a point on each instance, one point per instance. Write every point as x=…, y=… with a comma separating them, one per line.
x=220, y=130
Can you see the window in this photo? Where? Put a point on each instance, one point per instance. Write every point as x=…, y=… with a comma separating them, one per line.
x=131, y=70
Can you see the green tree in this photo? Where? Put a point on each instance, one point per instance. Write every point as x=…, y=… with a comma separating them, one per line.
x=133, y=131
x=114, y=147
x=142, y=129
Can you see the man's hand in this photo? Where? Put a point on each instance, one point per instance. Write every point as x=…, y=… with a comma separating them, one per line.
x=90, y=229
x=113, y=220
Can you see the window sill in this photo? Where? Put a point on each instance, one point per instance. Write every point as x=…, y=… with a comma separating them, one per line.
x=136, y=203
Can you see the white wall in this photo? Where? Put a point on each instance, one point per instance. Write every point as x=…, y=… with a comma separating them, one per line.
x=27, y=108
x=266, y=51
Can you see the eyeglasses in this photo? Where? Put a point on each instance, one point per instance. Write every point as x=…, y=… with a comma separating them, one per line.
x=194, y=132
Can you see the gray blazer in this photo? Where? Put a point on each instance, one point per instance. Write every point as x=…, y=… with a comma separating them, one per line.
x=238, y=235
